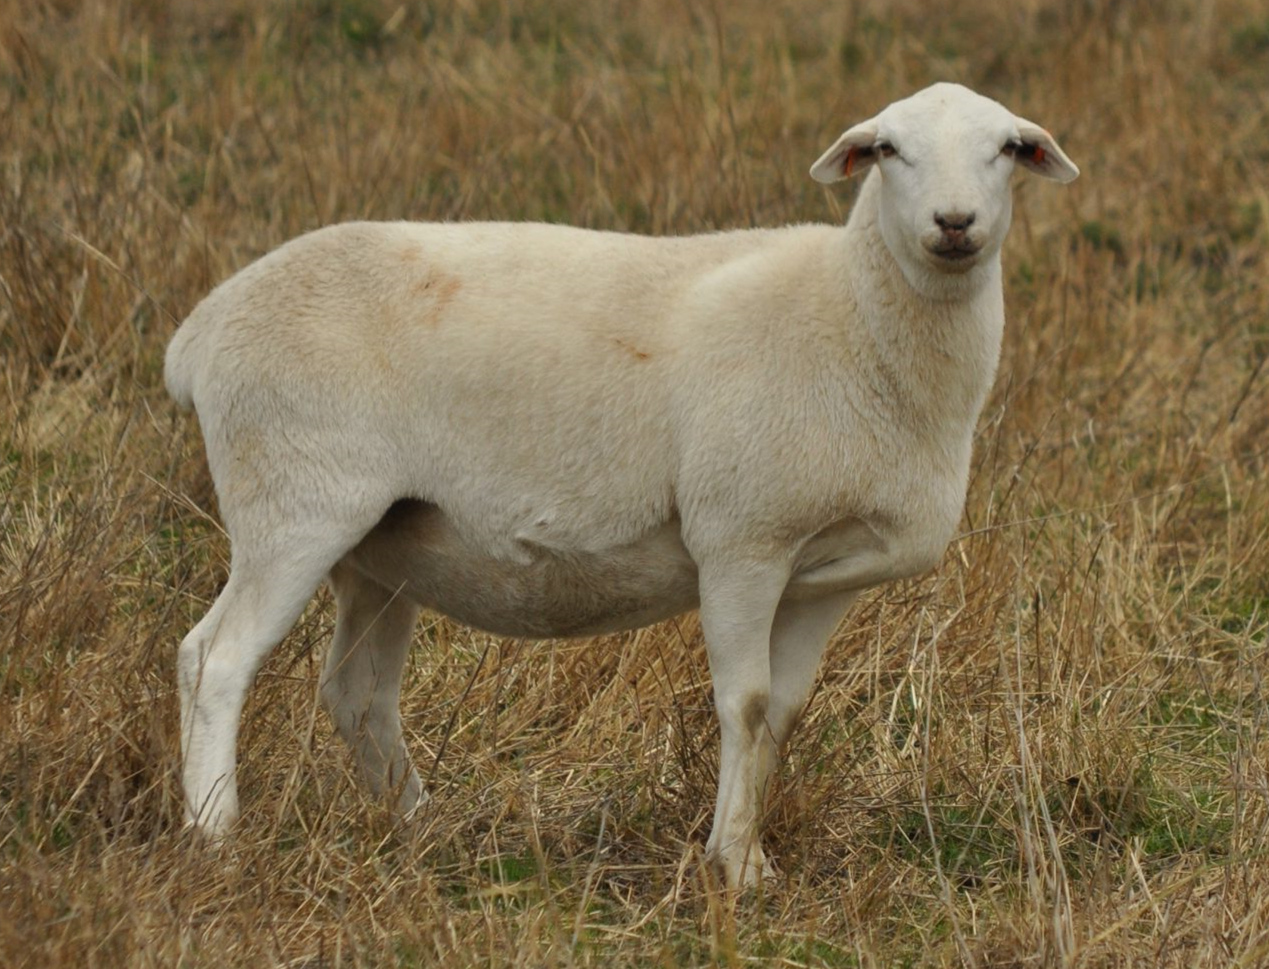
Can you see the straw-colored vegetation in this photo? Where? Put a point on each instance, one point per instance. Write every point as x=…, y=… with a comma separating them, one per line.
x=1051, y=751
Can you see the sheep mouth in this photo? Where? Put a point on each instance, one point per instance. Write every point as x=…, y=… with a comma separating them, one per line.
x=957, y=255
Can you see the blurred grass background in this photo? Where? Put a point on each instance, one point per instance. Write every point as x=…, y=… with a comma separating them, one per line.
x=1051, y=751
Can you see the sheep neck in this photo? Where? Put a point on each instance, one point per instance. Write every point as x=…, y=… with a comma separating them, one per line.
x=934, y=359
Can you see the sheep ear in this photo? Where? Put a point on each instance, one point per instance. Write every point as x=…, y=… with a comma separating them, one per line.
x=1042, y=154
x=851, y=154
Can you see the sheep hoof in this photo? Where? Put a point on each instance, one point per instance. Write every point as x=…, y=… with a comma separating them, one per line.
x=740, y=870
x=409, y=808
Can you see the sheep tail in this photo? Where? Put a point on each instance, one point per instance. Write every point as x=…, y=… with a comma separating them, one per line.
x=180, y=366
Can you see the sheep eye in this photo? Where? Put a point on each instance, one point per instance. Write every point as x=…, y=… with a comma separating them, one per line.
x=1020, y=149
x=885, y=149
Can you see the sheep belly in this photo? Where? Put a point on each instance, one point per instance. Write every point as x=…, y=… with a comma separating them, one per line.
x=541, y=592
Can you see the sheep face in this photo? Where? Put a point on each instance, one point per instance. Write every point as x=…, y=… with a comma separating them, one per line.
x=944, y=158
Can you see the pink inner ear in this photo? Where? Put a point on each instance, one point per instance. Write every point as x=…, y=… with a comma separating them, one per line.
x=849, y=163
x=1039, y=155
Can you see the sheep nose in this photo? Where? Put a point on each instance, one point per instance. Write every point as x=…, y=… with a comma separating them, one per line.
x=954, y=221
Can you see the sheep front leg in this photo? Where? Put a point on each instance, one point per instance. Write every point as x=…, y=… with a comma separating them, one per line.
x=737, y=610
x=799, y=636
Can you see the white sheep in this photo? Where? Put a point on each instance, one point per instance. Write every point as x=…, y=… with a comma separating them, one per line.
x=545, y=431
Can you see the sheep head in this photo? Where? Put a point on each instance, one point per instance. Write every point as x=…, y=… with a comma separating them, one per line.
x=943, y=160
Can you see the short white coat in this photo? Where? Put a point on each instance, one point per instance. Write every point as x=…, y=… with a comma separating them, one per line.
x=547, y=431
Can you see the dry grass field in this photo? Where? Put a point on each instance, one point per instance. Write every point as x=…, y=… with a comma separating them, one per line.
x=1052, y=751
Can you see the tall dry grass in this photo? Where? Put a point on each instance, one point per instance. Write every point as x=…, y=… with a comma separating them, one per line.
x=1051, y=751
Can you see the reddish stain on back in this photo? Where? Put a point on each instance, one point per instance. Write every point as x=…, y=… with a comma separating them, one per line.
x=631, y=349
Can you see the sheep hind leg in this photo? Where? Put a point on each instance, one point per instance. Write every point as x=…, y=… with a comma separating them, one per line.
x=269, y=585
x=361, y=684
